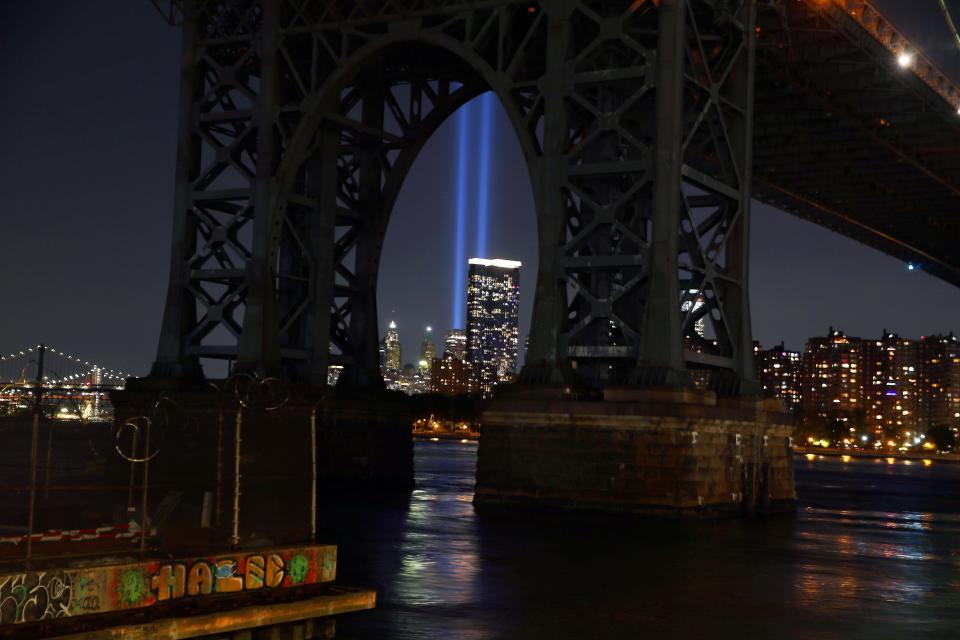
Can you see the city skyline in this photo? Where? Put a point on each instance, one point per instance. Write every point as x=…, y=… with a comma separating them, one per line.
x=98, y=276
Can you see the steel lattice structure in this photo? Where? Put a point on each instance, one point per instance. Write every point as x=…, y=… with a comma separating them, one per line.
x=300, y=120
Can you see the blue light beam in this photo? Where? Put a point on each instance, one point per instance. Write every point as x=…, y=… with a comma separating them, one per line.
x=460, y=240
x=483, y=188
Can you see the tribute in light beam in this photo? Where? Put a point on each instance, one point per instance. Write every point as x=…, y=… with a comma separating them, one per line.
x=460, y=242
x=483, y=189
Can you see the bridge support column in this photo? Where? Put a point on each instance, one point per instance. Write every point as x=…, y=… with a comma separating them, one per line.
x=680, y=429
x=662, y=452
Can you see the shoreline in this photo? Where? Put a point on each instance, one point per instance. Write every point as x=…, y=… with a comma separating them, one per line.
x=434, y=437
x=878, y=455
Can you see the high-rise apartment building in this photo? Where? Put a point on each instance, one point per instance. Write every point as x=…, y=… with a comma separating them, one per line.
x=939, y=382
x=891, y=392
x=493, y=307
x=779, y=371
x=833, y=381
x=391, y=343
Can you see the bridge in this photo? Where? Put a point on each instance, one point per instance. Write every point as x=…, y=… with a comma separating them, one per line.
x=648, y=127
x=47, y=364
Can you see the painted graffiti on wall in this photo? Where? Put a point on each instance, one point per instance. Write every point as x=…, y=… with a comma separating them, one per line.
x=35, y=596
x=41, y=595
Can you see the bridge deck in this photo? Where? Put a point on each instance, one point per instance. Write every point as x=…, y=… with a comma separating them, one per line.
x=848, y=139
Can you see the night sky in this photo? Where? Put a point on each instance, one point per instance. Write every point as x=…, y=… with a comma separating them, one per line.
x=88, y=122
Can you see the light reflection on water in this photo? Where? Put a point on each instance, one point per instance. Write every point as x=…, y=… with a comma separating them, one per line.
x=873, y=551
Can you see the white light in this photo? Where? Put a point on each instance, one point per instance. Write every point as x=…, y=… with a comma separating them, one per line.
x=864, y=438
x=496, y=262
x=905, y=59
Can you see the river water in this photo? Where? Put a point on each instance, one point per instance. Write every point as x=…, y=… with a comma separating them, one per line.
x=873, y=551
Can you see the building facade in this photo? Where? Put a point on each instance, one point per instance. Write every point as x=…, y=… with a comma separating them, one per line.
x=392, y=359
x=939, y=382
x=833, y=382
x=493, y=309
x=452, y=376
x=455, y=343
x=428, y=349
x=891, y=391
x=779, y=371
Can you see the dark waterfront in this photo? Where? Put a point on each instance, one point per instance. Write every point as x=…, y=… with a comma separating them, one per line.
x=872, y=552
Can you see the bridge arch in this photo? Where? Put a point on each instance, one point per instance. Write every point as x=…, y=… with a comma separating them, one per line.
x=416, y=83
x=617, y=106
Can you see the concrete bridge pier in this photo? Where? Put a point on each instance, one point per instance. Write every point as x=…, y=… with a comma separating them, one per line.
x=675, y=452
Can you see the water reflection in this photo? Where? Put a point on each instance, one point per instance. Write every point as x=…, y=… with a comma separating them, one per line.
x=874, y=551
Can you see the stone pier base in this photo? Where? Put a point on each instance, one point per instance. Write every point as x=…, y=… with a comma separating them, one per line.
x=678, y=453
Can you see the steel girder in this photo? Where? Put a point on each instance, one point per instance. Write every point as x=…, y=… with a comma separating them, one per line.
x=301, y=118
x=849, y=140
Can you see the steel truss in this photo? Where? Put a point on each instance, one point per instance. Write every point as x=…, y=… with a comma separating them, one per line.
x=300, y=120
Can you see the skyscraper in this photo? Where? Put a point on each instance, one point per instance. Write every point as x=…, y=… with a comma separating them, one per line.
x=428, y=349
x=392, y=359
x=493, y=297
x=455, y=344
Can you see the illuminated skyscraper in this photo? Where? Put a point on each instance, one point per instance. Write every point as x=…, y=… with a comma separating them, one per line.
x=428, y=349
x=392, y=359
x=493, y=306
x=455, y=344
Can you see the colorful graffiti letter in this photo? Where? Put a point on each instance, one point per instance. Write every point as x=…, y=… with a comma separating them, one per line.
x=200, y=582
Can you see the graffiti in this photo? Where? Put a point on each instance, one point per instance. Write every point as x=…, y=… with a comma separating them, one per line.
x=87, y=596
x=35, y=596
x=32, y=596
x=132, y=587
x=299, y=567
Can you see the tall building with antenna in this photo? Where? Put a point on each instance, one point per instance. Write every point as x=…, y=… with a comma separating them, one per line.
x=392, y=360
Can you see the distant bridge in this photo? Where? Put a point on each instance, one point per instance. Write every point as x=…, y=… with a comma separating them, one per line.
x=19, y=368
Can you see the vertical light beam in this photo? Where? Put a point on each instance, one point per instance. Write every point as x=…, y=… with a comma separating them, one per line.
x=483, y=188
x=460, y=241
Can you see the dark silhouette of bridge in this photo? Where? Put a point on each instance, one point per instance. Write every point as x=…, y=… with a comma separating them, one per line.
x=646, y=131
x=648, y=126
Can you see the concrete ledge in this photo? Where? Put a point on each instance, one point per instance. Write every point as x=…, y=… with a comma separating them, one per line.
x=337, y=600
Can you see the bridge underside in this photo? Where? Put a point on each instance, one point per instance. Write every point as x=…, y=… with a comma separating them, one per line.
x=848, y=139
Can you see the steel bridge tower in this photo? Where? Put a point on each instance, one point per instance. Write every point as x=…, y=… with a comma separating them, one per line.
x=300, y=120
